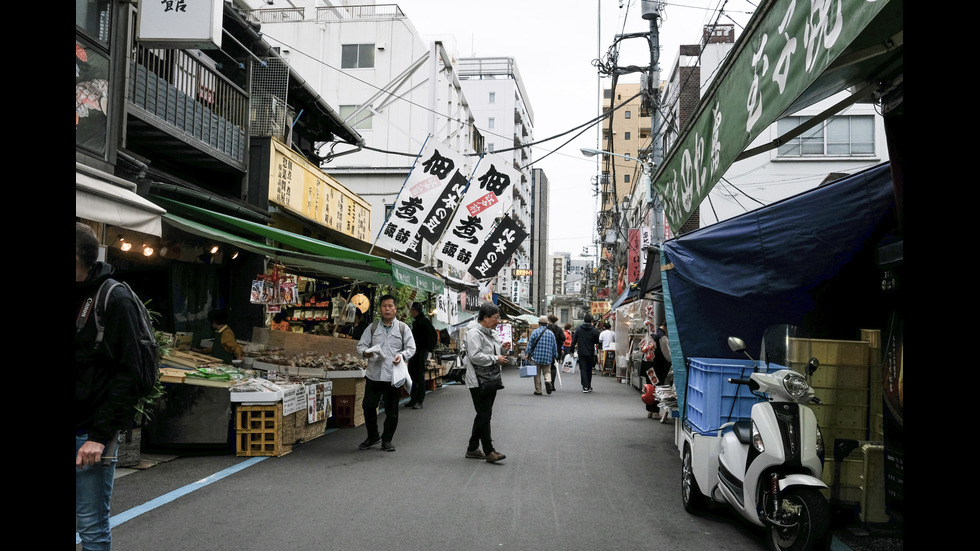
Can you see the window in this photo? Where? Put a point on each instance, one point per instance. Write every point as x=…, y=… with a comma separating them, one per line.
x=357, y=56
x=490, y=147
x=626, y=179
x=626, y=135
x=490, y=122
x=493, y=97
x=628, y=115
x=846, y=136
x=94, y=17
x=361, y=122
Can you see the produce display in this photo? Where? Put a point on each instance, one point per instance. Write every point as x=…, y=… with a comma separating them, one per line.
x=329, y=362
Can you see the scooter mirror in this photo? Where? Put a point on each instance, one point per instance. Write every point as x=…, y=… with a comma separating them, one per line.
x=736, y=344
x=812, y=366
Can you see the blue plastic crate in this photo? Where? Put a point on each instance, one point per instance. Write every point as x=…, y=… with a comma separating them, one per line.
x=710, y=395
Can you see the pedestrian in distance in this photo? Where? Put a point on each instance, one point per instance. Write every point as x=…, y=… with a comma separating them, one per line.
x=559, y=346
x=608, y=340
x=586, y=341
x=425, y=340
x=105, y=387
x=385, y=343
x=542, y=350
x=483, y=350
x=568, y=340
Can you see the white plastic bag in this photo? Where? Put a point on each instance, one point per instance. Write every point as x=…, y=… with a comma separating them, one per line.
x=569, y=364
x=400, y=376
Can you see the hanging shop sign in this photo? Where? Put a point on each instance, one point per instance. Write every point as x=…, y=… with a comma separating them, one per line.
x=787, y=46
x=426, y=201
x=600, y=307
x=633, y=270
x=180, y=24
x=522, y=272
x=300, y=187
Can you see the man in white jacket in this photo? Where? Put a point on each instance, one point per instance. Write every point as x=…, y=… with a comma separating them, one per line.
x=388, y=345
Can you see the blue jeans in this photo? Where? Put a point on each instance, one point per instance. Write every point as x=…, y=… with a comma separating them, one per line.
x=585, y=366
x=93, y=490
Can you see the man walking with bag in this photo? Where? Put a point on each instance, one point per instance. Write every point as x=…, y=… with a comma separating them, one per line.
x=386, y=344
x=542, y=350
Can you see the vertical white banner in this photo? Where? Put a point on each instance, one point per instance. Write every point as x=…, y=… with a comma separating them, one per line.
x=419, y=210
x=480, y=206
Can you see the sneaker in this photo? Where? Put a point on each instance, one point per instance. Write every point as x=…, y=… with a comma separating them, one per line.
x=475, y=454
x=386, y=446
x=368, y=443
x=584, y=390
x=409, y=405
x=537, y=393
x=417, y=406
x=549, y=387
x=590, y=389
x=493, y=457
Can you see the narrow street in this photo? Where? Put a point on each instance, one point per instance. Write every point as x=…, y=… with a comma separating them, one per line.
x=583, y=471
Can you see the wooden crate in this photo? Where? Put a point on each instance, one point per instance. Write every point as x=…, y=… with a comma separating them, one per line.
x=259, y=431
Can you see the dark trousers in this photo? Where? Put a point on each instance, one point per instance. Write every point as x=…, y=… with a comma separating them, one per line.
x=483, y=404
x=416, y=368
x=374, y=392
x=585, y=366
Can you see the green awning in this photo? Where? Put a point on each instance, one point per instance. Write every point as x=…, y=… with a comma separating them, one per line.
x=790, y=56
x=319, y=256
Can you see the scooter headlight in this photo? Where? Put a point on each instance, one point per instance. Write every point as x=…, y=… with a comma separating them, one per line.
x=795, y=385
x=757, y=442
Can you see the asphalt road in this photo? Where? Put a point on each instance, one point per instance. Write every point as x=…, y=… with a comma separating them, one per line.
x=583, y=471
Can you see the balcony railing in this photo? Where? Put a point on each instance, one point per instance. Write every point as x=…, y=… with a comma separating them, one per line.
x=188, y=95
x=379, y=11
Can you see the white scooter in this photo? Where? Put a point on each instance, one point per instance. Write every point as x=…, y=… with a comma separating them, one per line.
x=768, y=468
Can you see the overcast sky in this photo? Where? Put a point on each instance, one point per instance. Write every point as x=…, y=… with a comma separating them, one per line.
x=554, y=43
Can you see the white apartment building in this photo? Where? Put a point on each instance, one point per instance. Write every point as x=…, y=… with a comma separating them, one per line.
x=845, y=143
x=397, y=89
x=504, y=118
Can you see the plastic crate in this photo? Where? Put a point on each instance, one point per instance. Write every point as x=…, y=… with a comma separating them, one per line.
x=710, y=396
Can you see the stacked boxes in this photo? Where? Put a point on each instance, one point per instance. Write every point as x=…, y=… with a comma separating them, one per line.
x=841, y=383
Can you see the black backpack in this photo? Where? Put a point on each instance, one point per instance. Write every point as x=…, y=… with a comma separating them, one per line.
x=148, y=370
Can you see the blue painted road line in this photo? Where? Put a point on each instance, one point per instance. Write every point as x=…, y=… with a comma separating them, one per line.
x=116, y=520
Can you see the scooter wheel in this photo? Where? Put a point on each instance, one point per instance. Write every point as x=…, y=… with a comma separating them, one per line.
x=808, y=518
x=691, y=496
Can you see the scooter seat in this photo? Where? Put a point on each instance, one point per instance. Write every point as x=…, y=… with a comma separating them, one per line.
x=743, y=431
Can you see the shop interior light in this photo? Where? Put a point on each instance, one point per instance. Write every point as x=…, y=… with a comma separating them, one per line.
x=234, y=255
x=126, y=245
x=147, y=250
x=214, y=249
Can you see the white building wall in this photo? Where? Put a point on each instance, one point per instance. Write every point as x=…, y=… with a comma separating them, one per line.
x=427, y=101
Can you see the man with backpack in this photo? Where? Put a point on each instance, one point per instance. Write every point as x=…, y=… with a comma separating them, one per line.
x=109, y=357
x=386, y=344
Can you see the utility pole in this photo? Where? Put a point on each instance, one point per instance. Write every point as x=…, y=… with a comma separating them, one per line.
x=650, y=10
